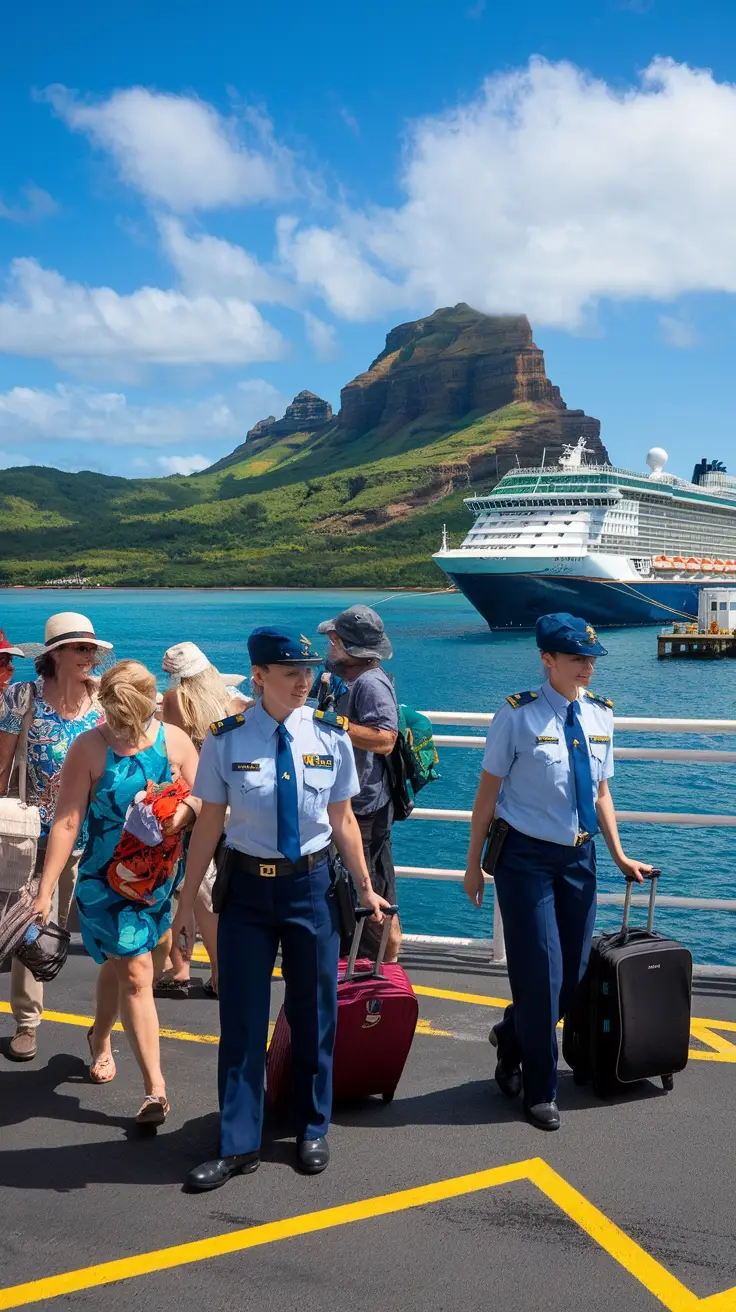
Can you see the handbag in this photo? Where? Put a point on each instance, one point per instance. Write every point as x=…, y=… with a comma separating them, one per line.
x=43, y=949
x=20, y=823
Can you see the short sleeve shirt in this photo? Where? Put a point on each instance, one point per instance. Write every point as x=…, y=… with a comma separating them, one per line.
x=526, y=748
x=49, y=738
x=238, y=767
x=370, y=700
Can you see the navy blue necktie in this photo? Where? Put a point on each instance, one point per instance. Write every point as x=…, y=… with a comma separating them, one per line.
x=287, y=799
x=580, y=761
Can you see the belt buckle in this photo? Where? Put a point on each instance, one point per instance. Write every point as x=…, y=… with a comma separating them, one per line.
x=581, y=838
x=267, y=871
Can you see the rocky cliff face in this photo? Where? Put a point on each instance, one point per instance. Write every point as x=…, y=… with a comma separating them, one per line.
x=306, y=414
x=456, y=363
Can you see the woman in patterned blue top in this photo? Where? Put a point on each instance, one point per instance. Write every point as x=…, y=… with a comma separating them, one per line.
x=64, y=701
x=104, y=771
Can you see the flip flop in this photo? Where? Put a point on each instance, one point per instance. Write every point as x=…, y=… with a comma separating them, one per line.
x=153, y=1110
x=105, y=1062
x=172, y=988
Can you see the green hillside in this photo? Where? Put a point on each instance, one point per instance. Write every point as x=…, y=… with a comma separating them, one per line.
x=314, y=499
x=301, y=511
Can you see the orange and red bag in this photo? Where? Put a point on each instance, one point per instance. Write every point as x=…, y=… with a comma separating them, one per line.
x=137, y=869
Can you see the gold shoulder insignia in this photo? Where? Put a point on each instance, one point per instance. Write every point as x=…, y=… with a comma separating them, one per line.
x=601, y=701
x=332, y=720
x=518, y=699
x=219, y=727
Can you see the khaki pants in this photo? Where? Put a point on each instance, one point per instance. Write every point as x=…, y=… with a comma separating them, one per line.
x=26, y=993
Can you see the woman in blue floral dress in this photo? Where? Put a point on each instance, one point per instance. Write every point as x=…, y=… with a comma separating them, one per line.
x=104, y=771
x=64, y=701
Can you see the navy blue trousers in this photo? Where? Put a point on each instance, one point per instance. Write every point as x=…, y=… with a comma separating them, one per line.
x=299, y=912
x=546, y=893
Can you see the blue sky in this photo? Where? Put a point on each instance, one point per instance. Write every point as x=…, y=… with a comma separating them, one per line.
x=206, y=208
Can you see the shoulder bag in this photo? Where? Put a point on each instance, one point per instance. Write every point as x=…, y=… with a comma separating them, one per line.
x=20, y=823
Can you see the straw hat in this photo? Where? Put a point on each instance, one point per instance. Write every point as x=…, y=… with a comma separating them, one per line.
x=68, y=626
x=6, y=649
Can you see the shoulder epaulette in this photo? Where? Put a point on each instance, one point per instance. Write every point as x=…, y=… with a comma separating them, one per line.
x=602, y=701
x=219, y=727
x=331, y=720
x=518, y=699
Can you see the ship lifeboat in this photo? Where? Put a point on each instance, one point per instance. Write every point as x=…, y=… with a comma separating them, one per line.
x=719, y=566
x=662, y=562
x=692, y=565
x=678, y=563
x=707, y=565
x=730, y=566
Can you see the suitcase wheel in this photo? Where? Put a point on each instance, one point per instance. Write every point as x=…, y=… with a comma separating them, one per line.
x=388, y=1097
x=668, y=1083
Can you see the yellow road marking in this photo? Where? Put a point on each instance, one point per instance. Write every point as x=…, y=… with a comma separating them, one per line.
x=68, y=1018
x=625, y=1251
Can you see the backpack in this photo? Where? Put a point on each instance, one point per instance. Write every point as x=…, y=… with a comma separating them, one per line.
x=412, y=761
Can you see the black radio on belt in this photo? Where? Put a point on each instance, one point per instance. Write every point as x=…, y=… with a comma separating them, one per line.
x=495, y=840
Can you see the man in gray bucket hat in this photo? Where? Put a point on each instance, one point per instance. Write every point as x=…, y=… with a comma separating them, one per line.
x=358, y=644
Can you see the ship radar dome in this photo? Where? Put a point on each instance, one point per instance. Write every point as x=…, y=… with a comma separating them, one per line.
x=656, y=460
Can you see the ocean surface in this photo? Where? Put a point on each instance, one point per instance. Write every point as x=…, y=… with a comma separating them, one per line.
x=446, y=659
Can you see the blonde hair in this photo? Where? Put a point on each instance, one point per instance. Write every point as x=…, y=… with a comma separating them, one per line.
x=127, y=694
x=202, y=698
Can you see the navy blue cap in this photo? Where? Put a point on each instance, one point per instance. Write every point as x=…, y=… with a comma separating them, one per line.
x=568, y=633
x=281, y=647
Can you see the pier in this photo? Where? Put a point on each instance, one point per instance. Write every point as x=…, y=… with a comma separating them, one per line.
x=696, y=646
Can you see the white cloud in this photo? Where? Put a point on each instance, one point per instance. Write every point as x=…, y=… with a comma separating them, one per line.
x=210, y=266
x=321, y=336
x=178, y=150
x=334, y=264
x=678, y=332
x=37, y=204
x=44, y=316
x=183, y=464
x=32, y=417
x=547, y=192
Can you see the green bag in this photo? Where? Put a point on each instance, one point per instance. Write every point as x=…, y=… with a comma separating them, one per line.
x=413, y=761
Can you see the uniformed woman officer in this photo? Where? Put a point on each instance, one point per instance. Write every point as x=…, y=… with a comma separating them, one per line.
x=287, y=772
x=547, y=762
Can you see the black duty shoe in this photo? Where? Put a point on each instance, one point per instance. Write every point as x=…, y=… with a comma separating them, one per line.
x=544, y=1115
x=211, y=1175
x=312, y=1155
x=507, y=1074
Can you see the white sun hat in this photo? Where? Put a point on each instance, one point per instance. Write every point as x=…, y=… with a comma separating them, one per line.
x=69, y=626
x=184, y=660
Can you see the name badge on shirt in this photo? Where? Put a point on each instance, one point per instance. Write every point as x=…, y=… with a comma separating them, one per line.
x=245, y=765
x=543, y=739
x=599, y=737
x=319, y=762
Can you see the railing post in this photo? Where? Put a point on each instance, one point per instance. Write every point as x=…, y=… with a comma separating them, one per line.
x=499, y=942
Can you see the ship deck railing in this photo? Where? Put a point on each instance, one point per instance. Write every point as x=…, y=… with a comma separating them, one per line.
x=625, y=724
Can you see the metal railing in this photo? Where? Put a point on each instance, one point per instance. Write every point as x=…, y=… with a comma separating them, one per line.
x=627, y=724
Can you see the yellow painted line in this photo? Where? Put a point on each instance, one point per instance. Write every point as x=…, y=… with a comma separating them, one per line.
x=256, y=1236
x=644, y=1268
x=68, y=1018
x=647, y=1270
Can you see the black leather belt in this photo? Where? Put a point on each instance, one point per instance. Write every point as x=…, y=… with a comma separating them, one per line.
x=243, y=863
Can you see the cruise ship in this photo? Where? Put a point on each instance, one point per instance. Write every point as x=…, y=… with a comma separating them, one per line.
x=615, y=546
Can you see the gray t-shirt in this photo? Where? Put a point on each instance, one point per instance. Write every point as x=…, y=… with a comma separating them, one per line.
x=370, y=700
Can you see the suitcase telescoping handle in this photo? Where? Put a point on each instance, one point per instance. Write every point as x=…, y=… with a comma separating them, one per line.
x=361, y=915
x=630, y=881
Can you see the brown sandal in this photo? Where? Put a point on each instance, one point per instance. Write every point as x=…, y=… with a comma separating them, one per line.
x=104, y=1064
x=153, y=1110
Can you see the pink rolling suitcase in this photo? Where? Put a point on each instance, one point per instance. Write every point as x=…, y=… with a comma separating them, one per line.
x=377, y=1014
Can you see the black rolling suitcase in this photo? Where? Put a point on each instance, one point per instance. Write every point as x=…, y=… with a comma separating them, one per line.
x=630, y=1019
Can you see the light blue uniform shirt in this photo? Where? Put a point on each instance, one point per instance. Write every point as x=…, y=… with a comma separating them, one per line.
x=526, y=747
x=239, y=767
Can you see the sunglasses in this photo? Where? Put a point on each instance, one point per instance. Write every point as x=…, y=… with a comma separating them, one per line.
x=5, y=659
x=83, y=648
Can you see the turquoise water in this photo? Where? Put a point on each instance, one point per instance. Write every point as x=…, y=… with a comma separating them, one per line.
x=446, y=659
